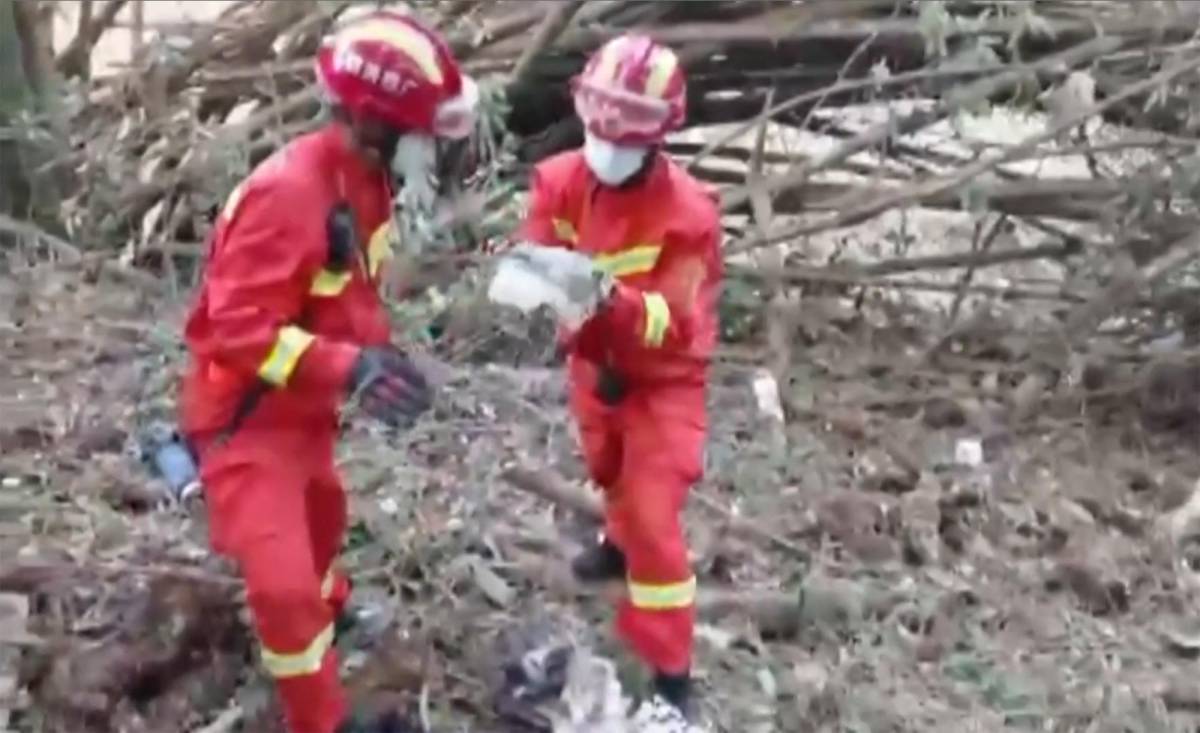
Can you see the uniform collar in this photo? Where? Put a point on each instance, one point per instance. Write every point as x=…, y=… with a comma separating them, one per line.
x=341, y=161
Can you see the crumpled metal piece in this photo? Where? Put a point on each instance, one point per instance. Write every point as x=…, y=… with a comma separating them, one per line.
x=530, y=276
x=534, y=658
x=534, y=680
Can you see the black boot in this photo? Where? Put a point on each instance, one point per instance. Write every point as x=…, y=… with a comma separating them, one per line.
x=675, y=689
x=389, y=722
x=597, y=564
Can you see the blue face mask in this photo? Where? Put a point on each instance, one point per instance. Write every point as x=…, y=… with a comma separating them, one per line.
x=612, y=164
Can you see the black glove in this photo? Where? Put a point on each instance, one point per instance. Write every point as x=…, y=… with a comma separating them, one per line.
x=610, y=386
x=390, y=388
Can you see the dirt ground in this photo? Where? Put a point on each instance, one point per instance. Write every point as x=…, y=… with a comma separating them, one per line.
x=911, y=563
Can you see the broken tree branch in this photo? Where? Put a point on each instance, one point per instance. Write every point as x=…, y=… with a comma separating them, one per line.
x=962, y=98
x=75, y=59
x=555, y=489
x=853, y=214
x=71, y=253
x=552, y=26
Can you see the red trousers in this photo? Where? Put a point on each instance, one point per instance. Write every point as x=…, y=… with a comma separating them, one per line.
x=277, y=507
x=645, y=454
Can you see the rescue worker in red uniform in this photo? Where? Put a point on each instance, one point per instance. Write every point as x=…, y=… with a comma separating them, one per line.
x=289, y=323
x=638, y=366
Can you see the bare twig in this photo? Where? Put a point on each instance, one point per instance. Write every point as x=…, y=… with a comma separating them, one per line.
x=227, y=721
x=798, y=275
x=23, y=575
x=855, y=212
x=74, y=60
x=983, y=245
x=553, y=488
x=962, y=98
x=1122, y=291
x=552, y=26
x=71, y=253
x=967, y=259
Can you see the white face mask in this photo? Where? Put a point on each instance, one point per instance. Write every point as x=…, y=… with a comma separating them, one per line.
x=612, y=164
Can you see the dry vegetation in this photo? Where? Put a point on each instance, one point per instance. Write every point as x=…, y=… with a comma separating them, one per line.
x=962, y=249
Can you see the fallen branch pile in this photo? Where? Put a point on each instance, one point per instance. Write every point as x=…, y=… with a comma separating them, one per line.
x=157, y=148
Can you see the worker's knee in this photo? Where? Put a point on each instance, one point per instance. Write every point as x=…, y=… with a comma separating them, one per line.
x=281, y=595
x=654, y=544
x=601, y=450
x=280, y=577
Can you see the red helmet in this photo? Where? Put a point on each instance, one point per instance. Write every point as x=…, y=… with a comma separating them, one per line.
x=632, y=91
x=391, y=67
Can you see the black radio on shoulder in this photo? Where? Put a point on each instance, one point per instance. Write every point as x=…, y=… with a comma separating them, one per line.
x=343, y=236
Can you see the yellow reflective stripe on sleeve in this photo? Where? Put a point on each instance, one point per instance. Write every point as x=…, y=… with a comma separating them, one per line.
x=301, y=663
x=633, y=261
x=290, y=345
x=658, y=319
x=379, y=249
x=328, y=284
x=663, y=597
x=565, y=231
x=327, y=583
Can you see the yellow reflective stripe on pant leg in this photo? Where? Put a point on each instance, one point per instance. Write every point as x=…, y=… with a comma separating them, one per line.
x=658, y=319
x=301, y=663
x=290, y=345
x=661, y=597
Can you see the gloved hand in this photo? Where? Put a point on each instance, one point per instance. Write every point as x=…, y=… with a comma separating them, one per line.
x=389, y=387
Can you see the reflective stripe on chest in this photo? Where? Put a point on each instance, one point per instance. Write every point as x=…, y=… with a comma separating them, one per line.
x=330, y=283
x=637, y=259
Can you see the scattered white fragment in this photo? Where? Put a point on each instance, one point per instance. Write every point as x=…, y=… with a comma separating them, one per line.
x=968, y=452
x=766, y=392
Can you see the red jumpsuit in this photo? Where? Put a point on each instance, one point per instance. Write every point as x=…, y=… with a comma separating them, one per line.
x=661, y=240
x=271, y=314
